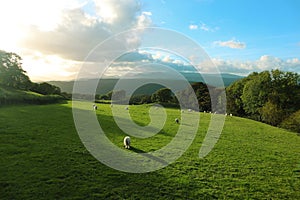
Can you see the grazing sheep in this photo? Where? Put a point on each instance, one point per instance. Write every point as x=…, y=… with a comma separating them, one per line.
x=126, y=108
x=177, y=121
x=95, y=107
x=127, y=142
x=230, y=114
x=190, y=110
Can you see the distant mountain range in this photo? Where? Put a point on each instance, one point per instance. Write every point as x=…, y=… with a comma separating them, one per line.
x=107, y=84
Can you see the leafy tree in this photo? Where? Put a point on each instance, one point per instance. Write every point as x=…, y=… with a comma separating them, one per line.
x=268, y=96
x=140, y=99
x=285, y=90
x=292, y=122
x=201, y=91
x=272, y=113
x=118, y=95
x=163, y=95
x=255, y=94
x=234, y=101
x=11, y=72
x=45, y=88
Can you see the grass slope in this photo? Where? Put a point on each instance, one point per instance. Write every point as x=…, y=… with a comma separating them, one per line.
x=9, y=96
x=42, y=157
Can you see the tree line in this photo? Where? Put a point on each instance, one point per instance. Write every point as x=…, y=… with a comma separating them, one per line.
x=270, y=96
x=166, y=97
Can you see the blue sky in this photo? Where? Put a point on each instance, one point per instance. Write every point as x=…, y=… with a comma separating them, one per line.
x=240, y=36
x=266, y=27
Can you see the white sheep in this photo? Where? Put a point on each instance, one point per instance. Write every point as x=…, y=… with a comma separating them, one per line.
x=127, y=142
x=95, y=107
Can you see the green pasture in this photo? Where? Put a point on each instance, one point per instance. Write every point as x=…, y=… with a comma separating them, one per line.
x=42, y=157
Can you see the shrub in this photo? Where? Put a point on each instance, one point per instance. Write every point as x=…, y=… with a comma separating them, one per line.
x=292, y=123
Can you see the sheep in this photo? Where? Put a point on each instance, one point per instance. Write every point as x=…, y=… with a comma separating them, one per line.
x=126, y=142
x=177, y=121
x=95, y=107
x=190, y=110
x=126, y=108
x=230, y=114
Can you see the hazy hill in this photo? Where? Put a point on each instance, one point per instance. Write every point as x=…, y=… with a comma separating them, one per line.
x=106, y=85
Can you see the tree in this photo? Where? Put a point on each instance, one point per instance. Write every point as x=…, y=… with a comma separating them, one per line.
x=45, y=88
x=292, y=122
x=285, y=90
x=118, y=95
x=163, y=95
x=272, y=114
x=234, y=101
x=255, y=94
x=140, y=99
x=268, y=96
x=11, y=72
x=203, y=101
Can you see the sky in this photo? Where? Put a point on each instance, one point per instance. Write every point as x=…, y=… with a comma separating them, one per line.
x=54, y=37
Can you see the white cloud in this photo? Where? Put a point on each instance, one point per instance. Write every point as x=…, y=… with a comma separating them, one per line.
x=193, y=27
x=265, y=62
x=234, y=44
x=206, y=28
x=65, y=29
x=144, y=20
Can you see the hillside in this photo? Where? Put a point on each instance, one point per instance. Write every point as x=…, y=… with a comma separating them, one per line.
x=13, y=96
x=42, y=157
x=106, y=84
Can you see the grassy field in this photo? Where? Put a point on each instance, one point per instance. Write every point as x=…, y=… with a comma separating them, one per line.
x=42, y=157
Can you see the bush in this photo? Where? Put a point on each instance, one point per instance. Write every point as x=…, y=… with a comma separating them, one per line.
x=11, y=97
x=292, y=123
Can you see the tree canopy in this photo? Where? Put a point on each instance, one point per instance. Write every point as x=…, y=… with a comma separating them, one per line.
x=11, y=72
x=269, y=96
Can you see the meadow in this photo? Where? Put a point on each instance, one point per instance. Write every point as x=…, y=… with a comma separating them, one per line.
x=42, y=157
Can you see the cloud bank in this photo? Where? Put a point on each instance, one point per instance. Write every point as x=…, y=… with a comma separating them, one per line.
x=67, y=30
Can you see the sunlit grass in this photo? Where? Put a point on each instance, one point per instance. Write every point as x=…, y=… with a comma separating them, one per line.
x=42, y=157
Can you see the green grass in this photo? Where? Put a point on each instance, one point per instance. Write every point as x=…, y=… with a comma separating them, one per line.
x=42, y=157
x=10, y=96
